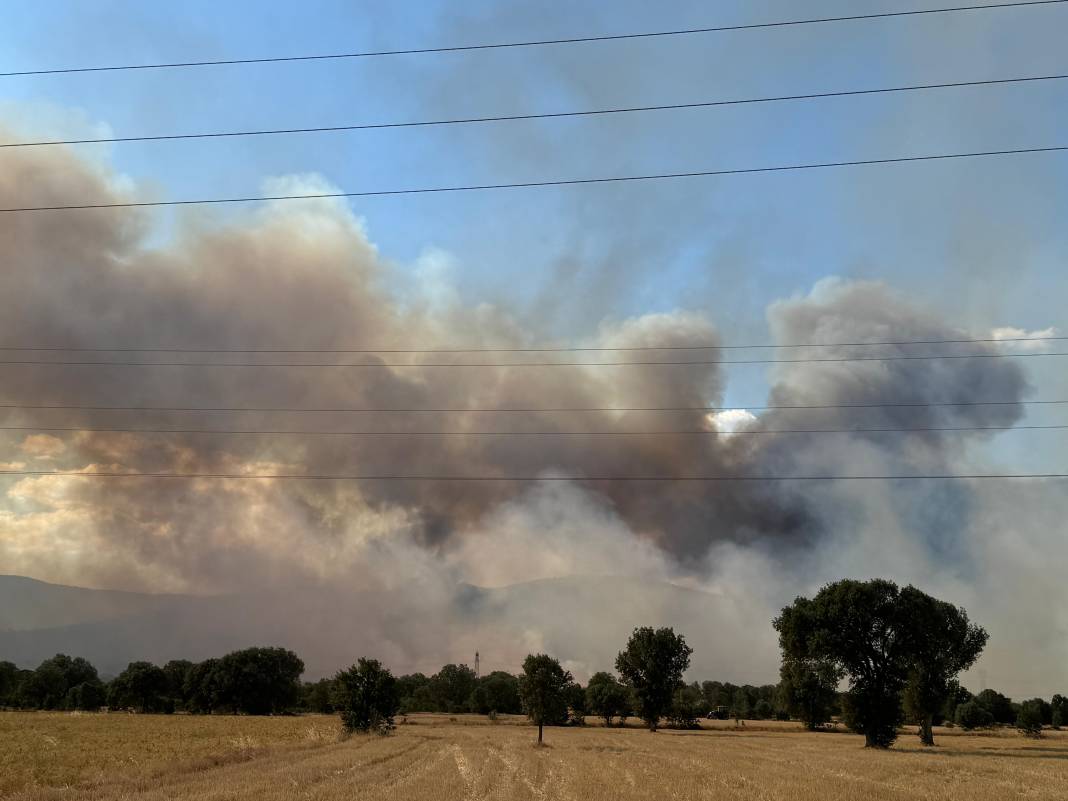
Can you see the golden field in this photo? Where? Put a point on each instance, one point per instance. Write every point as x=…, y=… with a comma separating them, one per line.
x=91, y=756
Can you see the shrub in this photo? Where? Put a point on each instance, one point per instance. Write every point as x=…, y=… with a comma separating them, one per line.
x=366, y=696
x=1029, y=719
x=973, y=715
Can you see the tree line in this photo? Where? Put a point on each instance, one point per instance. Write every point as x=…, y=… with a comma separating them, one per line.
x=897, y=651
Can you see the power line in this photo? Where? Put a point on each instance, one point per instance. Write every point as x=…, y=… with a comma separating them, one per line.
x=534, y=43
x=417, y=365
x=380, y=433
x=538, y=184
x=528, y=410
x=521, y=117
x=600, y=349
x=543, y=478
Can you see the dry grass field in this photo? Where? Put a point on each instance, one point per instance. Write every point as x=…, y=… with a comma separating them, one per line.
x=432, y=758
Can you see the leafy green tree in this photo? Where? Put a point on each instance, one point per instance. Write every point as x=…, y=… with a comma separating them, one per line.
x=9, y=682
x=957, y=695
x=142, y=686
x=997, y=705
x=859, y=628
x=1058, y=711
x=317, y=696
x=1029, y=719
x=177, y=672
x=259, y=681
x=451, y=687
x=607, y=698
x=808, y=690
x=48, y=686
x=653, y=663
x=973, y=715
x=576, y=704
x=685, y=706
x=941, y=643
x=543, y=690
x=89, y=695
x=763, y=710
x=202, y=687
x=1045, y=710
x=497, y=692
x=366, y=696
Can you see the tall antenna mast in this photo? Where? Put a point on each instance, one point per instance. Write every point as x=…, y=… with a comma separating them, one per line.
x=477, y=674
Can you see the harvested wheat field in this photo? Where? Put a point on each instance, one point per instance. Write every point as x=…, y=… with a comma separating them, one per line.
x=53, y=756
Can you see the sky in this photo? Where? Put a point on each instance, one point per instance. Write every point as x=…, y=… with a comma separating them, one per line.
x=967, y=246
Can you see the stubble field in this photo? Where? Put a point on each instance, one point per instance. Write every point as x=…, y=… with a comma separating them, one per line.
x=63, y=756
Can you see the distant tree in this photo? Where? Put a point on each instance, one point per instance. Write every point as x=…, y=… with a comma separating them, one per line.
x=1045, y=710
x=957, y=695
x=685, y=707
x=1059, y=711
x=89, y=695
x=576, y=704
x=366, y=696
x=202, y=687
x=496, y=692
x=859, y=628
x=941, y=643
x=653, y=663
x=48, y=686
x=543, y=690
x=9, y=681
x=259, y=681
x=177, y=672
x=1029, y=719
x=997, y=705
x=808, y=690
x=763, y=710
x=451, y=687
x=607, y=698
x=317, y=696
x=973, y=715
x=413, y=689
x=142, y=686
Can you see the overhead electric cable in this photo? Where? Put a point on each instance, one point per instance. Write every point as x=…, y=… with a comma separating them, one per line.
x=542, y=478
x=539, y=184
x=527, y=410
x=536, y=42
x=418, y=365
x=521, y=117
x=550, y=349
x=691, y=432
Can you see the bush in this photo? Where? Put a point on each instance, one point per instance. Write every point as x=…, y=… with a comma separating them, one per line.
x=973, y=715
x=366, y=696
x=1029, y=719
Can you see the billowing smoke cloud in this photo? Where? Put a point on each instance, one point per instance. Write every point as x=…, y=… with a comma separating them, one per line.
x=304, y=275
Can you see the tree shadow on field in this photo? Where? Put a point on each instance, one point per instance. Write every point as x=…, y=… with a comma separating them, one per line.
x=1009, y=753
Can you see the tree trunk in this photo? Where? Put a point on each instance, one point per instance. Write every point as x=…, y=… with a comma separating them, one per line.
x=926, y=731
x=540, y=726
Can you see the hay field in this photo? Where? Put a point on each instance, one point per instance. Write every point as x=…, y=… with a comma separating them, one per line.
x=54, y=756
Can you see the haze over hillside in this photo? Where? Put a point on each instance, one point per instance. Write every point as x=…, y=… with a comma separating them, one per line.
x=329, y=629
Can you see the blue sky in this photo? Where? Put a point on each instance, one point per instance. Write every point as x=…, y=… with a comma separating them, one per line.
x=984, y=241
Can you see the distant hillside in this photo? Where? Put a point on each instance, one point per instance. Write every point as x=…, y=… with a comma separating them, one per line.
x=582, y=620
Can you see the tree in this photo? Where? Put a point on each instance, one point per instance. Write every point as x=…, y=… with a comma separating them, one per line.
x=177, y=672
x=259, y=681
x=202, y=687
x=685, y=706
x=497, y=692
x=1059, y=711
x=317, y=696
x=142, y=686
x=809, y=690
x=941, y=643
x=366, y=696
x=451, y=687
x=1029, y=719
x=653, y=663
x=88, y=695
x=997, y=705
x=857, y=627
x=973, y=715
x=543, y=690
x=607, y=698
x=957, y=695
x=9, y=682
x=48, y=686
